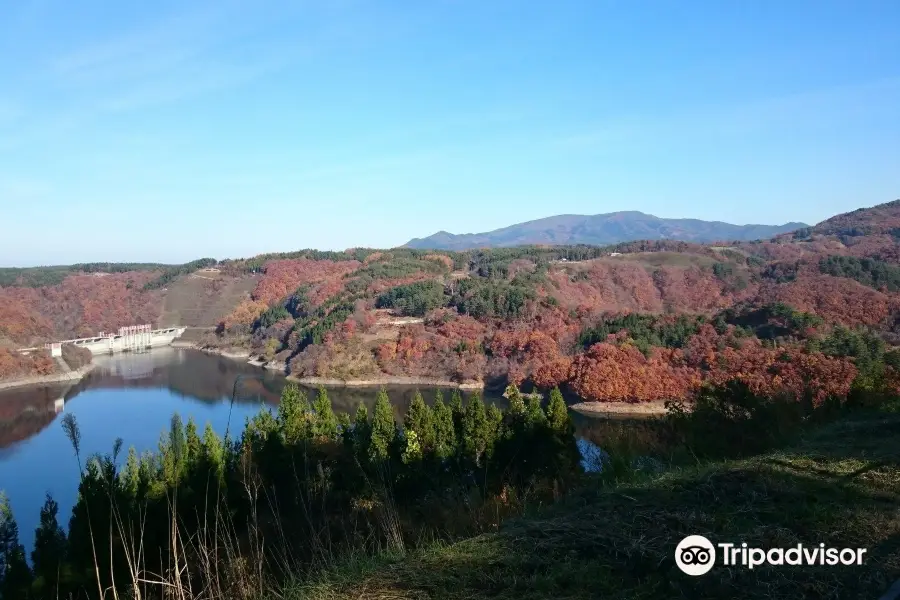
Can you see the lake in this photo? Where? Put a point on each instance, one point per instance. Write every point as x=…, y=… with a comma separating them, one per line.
x=133, y=396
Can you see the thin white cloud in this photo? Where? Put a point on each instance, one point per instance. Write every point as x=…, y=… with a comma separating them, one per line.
x=146, y=50
x=810, y=109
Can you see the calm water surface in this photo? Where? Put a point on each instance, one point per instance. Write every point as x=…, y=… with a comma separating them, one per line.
x=133, y=396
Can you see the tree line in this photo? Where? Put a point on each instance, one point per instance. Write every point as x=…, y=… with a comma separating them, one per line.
x=296, y=487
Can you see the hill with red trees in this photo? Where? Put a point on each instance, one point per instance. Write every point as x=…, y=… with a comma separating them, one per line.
x=811, y=314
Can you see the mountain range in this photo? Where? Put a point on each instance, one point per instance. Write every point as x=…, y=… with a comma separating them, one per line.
x=609, y=228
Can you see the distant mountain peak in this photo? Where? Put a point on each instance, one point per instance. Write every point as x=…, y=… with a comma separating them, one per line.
x=602, y=229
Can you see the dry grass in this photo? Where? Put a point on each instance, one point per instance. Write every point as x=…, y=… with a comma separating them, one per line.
x=841, y=486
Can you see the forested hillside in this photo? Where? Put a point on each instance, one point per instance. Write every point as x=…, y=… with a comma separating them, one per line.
x=610, y=228
x=811, y=314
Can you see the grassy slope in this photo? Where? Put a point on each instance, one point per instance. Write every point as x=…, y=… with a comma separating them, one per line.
x=191, y=301
x=841, y=486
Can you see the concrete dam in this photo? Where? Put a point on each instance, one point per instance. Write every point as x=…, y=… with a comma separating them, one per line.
x=134, y=338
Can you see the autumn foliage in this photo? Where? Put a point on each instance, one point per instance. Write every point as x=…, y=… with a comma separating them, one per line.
x=81, y=306
x=283, y=277
x=621, y=373
x=14, y=364
x=678, y=316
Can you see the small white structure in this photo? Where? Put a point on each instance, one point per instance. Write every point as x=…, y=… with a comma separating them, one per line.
x=55, y=349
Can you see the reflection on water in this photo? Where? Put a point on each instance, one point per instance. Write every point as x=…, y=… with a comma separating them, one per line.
x=133, y=396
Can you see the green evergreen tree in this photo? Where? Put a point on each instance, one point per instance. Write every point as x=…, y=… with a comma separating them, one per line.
x=192, y=443
x=419, y=418
x=477, y=435
x=383, y=427
x=534, y=412
x=213, y=452
x=326, y=424
x=458, y=412
x=456, y=404
x=516, y=403
x=413, y=450
x=49, y=553
x=444, y=431
x=362, y=430
x=344, y=425
x=172, y=450
x=438, y=395
x=495, y=423
x=130, y=476
x=261, y=426
x=558, y=413
x=294, y=414
x=15, y=576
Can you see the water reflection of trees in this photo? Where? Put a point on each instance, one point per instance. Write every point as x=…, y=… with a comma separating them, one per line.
x=199, y=376
x=26, y=412
x=209, y=379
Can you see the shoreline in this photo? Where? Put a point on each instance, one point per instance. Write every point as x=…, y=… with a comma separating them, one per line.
x=375, y=381
x=387, y=380
x=41, y=380
x=621, y=409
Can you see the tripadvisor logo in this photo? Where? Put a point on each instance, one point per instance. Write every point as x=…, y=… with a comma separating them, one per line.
x=695, y=555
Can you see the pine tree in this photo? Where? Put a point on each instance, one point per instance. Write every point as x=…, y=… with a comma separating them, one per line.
x=326, y=424
x=213, y=452
x=383, y=427
x=15, y=576
x=458, y=412
x=516, y=403
x=172, y=450
x=534, y=412
x=130, y=476
x=362, y=430
x=495, y=422
x=192, y=443
x=413, y=450
x=456, y=404
x=477, y=437
x=293, y=414
x=345, y=427
x=444, y=431
x=419, y=418
x=558, y=413
x=49, y=552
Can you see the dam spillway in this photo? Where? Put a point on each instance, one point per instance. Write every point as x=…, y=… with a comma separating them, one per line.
x=128, y=339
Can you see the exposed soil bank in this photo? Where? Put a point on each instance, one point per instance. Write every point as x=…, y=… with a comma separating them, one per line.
x=620, y=409
x=72, y=376
x=231, y=353
x=375, y=381
x=389, y=380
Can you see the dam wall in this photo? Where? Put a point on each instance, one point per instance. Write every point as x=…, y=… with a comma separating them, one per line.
x=128, y=339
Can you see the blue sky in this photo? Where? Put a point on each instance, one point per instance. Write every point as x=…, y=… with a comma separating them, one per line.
x=171, y=130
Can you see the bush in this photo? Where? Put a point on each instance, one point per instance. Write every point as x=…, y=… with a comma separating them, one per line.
x=867, y=271
x=730, y=422
x=414, y=299
x=645, y=330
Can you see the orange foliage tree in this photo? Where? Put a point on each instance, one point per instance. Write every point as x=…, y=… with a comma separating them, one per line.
x=621, y=373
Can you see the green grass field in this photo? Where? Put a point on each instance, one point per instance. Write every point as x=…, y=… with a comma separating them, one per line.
x=840, y=485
